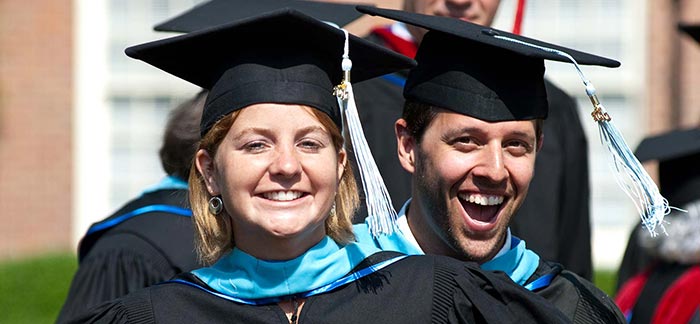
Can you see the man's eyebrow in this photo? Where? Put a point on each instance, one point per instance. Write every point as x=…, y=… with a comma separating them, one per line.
x=455, y=131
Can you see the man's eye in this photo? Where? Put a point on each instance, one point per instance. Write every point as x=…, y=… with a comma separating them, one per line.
x=518, y=147
x=464, y=140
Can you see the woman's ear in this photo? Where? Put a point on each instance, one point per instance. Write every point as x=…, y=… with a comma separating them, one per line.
x=205, y=166
x=342, y=162
x=406, y=145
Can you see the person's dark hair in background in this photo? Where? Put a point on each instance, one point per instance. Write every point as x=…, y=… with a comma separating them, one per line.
x=181, y=137
x=150, y=238
x=554, y=220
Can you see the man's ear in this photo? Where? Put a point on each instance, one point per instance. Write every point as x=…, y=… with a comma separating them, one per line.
x=540, y=142
x=205, y=166
x=406, y=145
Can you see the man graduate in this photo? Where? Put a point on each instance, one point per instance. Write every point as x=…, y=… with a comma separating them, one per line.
x=470, y=132
x=554, y=219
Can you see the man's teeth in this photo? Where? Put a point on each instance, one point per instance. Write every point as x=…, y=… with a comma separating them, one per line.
x=282, y=195
x=485, y=200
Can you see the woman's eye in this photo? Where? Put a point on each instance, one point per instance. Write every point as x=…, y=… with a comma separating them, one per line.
x=254, y=146
x=310, y=144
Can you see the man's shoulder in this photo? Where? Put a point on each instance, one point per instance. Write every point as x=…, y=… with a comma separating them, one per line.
x=577, y=297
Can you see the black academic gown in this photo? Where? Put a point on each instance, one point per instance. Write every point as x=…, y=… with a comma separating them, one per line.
x=554, y=219
x=663, y=276
x=666, y=291
x=423, y=289
x=579, y=300
x=635, y=258
x=136, y=253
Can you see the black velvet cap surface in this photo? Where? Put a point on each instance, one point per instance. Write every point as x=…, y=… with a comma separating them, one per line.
x=670, y=145
x=218, y=12
x=466, y=68
x=678, y=154
x=282, y=56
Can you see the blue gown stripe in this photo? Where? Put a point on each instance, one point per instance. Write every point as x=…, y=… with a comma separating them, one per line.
x=139, y=211
x=320, y=290
x=395, y=79
x=540, y=282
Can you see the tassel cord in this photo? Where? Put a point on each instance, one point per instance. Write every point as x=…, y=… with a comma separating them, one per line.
x=381, y=213
x=629, y=173
x=378, y=200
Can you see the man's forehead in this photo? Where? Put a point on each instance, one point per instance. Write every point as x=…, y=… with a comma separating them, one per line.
x=452, y=122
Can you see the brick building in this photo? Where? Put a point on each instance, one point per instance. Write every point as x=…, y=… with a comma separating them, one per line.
x=36, y=126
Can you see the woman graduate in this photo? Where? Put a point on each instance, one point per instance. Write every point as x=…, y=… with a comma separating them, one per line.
x=272, y=194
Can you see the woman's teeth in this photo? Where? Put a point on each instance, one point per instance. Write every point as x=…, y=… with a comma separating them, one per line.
x=282, y=195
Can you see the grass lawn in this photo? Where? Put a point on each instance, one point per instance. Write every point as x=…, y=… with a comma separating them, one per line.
x=606, y=280
x=32, y=290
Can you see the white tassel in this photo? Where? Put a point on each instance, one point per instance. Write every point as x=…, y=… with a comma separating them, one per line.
x=629, y=173
x=380, y=210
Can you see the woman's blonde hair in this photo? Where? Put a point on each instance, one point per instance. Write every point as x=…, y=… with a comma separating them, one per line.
x=214, y=235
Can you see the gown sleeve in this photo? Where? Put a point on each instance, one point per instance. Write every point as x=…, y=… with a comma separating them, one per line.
x=116, y=266
x=136, y=308
x=486, y=297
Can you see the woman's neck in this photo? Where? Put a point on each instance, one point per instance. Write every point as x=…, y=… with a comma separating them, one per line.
x=278, y=249
x=292, y=308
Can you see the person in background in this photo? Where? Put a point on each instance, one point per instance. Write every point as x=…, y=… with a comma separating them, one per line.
x=150, y=238
x=635, y=258
x=666, y=289
x=554, y=219
x=470, y=133
x=272, y=194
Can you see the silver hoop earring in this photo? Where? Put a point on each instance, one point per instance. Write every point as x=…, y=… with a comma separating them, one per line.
x=216, y=205
x=332, y=213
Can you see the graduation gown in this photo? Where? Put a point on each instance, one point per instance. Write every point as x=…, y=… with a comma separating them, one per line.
x=666, y=292
x=635, y=259
x=419, y=289
x=123, y=254
x=577, y=298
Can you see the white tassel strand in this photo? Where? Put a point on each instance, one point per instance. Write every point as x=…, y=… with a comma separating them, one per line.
x=380, y=210
x=629, y=172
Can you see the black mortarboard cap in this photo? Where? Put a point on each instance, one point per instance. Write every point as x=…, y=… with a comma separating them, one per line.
x=678, y=154
x=692, y=30
x=282, y=56
x=218, y=12
x=668, y=146
x=463, y=67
